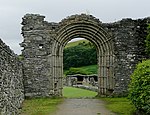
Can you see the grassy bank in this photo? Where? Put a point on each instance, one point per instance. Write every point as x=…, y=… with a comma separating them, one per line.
x=70, y=92
x=41, y=106
x=91, y=69
x=75, y=43
x=121, y=106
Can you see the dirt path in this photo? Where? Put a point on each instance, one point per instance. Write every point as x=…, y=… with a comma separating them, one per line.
x=82, y=107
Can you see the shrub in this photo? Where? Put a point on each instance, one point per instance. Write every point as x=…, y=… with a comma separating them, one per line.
x=139, y=88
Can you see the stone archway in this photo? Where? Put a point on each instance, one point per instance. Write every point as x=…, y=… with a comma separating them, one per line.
x=43, y=52
x=90, y=28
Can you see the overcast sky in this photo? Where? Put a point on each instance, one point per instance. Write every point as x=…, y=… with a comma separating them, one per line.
x=12, y=11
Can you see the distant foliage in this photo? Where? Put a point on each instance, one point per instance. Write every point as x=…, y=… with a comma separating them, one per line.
x=82, y=54
x=148, y=41
x=73, y=71
x=139, y=88
x=84, y=70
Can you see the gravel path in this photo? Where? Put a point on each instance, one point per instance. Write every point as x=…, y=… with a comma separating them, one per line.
x=82, y=107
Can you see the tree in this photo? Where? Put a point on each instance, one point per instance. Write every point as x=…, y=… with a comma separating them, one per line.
x=82, y=54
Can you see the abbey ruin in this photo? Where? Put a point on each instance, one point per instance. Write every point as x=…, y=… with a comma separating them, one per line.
x=120, y=46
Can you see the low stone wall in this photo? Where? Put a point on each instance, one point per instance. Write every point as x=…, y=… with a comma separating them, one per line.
x=11, y=81
x=75, y=79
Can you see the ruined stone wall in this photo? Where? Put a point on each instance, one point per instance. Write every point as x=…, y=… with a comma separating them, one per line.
x=37, y=65
x=11, y=81
x=129, y=44
x=39, y=77
x=34, y=77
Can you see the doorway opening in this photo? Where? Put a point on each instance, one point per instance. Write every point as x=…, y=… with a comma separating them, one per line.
x=91, y=29
x=80, y=68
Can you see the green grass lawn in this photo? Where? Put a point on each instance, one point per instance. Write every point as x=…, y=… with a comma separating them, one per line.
x=47, y=106
x=41, y=106
x=91, y=69
x=70, y=92
x=121, y=106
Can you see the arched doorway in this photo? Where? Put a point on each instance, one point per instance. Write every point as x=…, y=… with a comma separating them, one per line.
x=90, y=28
x=43, y=52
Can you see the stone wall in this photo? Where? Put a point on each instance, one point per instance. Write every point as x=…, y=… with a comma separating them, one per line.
x=41, y=75
x=129, y=43
x=11, y=81
x=37, y=50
